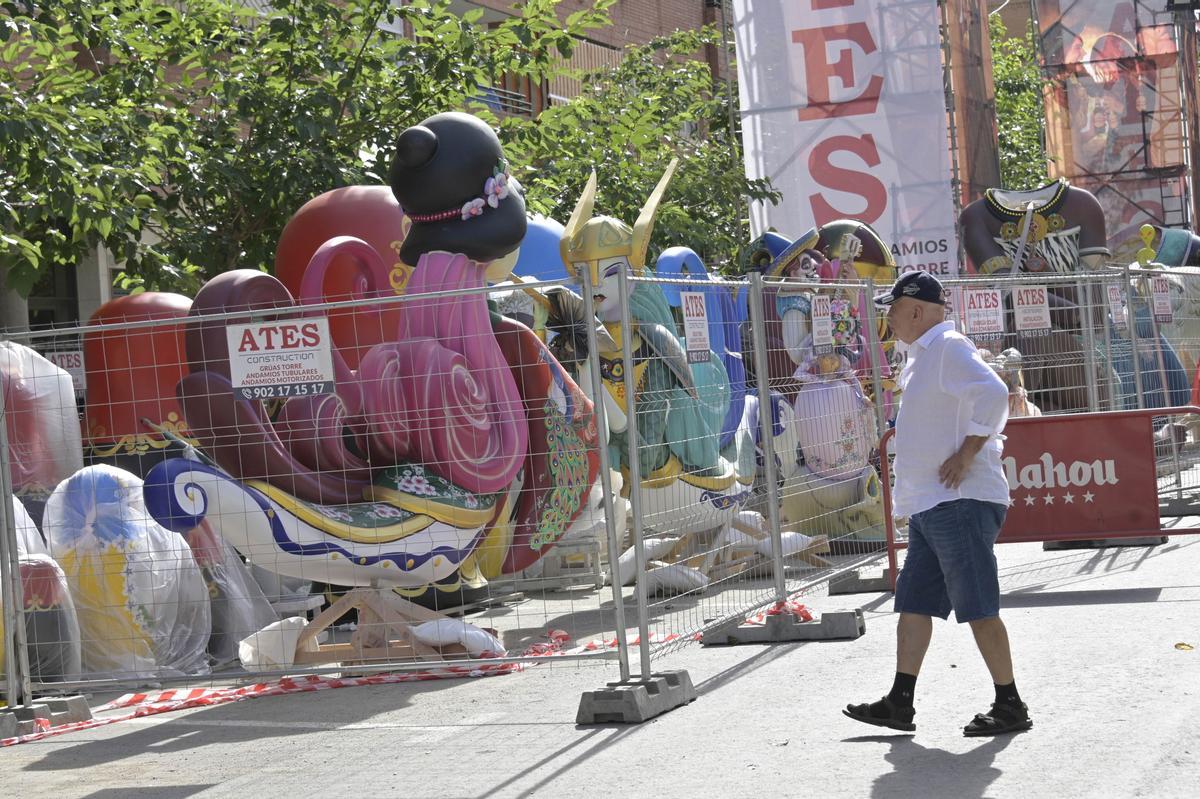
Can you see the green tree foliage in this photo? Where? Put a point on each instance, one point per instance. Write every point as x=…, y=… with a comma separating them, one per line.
x=1019, y=113
x=207, y=124
x=182, y=136
x=627, y=124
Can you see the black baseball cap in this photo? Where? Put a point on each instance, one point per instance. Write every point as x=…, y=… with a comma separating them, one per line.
x=918, y=285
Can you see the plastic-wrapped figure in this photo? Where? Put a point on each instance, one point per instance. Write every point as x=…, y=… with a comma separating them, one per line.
x=51, y=625
x=42, y=424
x=143, y=606
x=833, y=489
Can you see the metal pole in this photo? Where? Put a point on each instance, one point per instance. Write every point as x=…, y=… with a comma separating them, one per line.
x=875, y=345
x=16, y=662
x=1108, y=355
x=610, y=527
x=1160, y=362
x=635, y=476
x=1089, y=346
x=1131, y=312
x=758, y=330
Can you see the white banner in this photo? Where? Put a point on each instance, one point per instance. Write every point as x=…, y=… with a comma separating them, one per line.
x=843, y=108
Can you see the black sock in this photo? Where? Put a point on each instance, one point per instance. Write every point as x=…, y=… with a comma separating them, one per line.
x=901, y=694
x=1007, y=694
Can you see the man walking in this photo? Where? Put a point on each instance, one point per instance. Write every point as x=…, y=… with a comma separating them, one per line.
x=950, y=485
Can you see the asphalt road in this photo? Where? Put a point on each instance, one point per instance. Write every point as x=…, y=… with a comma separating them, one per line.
x=1094, y=634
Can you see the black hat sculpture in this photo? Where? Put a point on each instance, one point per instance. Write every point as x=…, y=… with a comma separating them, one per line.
x=450, y=177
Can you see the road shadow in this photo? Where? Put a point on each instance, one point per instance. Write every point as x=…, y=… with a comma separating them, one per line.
x=1105, y=596
x=150, y=792
x=246, y=721
x=921, y=771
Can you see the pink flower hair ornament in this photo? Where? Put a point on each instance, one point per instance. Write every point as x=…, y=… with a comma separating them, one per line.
x=495, y=189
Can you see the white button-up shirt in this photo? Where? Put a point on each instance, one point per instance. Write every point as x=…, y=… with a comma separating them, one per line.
x=949, y=393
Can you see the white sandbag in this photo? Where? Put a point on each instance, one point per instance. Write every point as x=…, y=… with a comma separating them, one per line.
x=143, y=605
x=274, y=646
x=654, y=547
x=674, y=578
x=442, y=632
x=792, y=542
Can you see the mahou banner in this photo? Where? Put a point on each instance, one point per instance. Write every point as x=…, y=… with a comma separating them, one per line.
x=1080, y=476
x=843, y=108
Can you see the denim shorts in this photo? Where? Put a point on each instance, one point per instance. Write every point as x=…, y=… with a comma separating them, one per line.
x=951, y=562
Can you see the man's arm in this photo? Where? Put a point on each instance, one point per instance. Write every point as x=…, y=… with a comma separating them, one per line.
x=966, y=375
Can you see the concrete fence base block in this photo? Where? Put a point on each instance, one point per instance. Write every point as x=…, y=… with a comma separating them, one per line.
x=635, y=701
x=42, y=715
x=856, y=583
x=833, y=626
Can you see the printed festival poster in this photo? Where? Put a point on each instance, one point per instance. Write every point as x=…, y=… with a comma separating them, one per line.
x=844, y=110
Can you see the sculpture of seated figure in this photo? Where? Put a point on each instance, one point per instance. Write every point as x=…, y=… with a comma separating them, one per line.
x=1053, y=229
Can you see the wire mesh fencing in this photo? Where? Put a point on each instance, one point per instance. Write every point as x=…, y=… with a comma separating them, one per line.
x=479, y=475
x=388, y=483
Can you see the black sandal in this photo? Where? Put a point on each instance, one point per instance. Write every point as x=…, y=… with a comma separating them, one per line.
x=1001, y=719
x=898, y=718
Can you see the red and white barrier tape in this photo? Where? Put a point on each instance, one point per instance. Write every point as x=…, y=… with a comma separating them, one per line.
x=149, y=704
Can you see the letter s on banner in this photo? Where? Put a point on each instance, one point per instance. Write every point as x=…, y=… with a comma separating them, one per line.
x=851, y=181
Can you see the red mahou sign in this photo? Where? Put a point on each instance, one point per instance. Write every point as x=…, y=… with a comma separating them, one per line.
x=1071, y=477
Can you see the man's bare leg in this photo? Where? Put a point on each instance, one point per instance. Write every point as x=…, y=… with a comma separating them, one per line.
x=913, y=633
x=991, y=636
x=1009, y=713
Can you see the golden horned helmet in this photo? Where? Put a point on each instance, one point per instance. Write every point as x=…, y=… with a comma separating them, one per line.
x=586, y=243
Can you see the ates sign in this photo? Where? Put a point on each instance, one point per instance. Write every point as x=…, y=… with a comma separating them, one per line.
x=695, y=326
x=269, y=360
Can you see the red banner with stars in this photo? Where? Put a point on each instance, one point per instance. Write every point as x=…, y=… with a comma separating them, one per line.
x=1083, y=476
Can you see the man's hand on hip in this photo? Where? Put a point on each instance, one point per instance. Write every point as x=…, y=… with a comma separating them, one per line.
x=954, y=469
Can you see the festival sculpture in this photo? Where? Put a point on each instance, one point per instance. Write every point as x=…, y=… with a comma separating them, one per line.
x=1158, y=378
x=455, y=450
x=689, y=482
x=132, y=416
x=1179, y=251
x=1055, y=229
x=835, y=491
